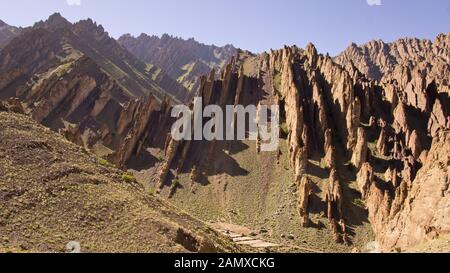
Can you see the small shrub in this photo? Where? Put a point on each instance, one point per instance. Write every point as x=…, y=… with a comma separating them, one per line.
x=104, y=162
x=284, y=129
x=152, y=191
x=359, y=203
x=176, y=183
x=128, y=178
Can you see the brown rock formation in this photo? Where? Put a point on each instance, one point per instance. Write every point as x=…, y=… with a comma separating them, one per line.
x=438, y=120
x=353, y=122
x=360, y=152
x=377, y=59
x=334, y=201
x=365, y=179
x=333, y=197
x=419, y=212
x=303, y=194
x=415, y=144
x=382, y=143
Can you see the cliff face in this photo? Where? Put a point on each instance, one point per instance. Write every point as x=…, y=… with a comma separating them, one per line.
x=184, y=60
x=418, y=211
x=413, y=76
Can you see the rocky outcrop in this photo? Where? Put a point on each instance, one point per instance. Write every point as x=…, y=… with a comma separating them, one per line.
x=382, y=147
x=137, y=125
x=334, y=202
x=169, y=153
x=401, y=120
x=438, y=120
x=304, y=192
x=353, y=122
x=360, y=151
x=365, y=179
x=415, y=144
x=330, y=151
x=418, y=211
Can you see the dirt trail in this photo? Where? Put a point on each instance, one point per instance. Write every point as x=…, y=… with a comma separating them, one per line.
x=246, y=237
x=242, y=235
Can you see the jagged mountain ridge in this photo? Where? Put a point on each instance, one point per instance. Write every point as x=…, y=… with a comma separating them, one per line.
x=90, y=39
x=183, y=60
x=378, y=59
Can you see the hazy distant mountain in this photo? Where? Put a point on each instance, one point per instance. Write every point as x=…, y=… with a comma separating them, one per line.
x=184, y=60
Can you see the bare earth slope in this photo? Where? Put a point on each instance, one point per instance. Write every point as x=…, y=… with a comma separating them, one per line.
x=53, y=192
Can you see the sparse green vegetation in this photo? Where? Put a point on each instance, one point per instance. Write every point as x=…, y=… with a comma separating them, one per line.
x=128, y=178
x=152, y=191
x=284, y=129
x=360, y=203
x=104, y=162
x=176, y=183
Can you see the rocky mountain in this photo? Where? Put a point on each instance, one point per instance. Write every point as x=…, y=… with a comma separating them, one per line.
x=82, y=198
x=362, y=160
x=7, y=32
x=183, y=60
x=378, y=59
x=355, y=151
x=61, y=43
x=74, y=78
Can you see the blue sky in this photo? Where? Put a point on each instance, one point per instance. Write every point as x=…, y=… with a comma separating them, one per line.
x=256, y=25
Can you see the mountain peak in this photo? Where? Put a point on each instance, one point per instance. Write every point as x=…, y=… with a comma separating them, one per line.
x=90, y=25
x=2, y=24
x=56, y=20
